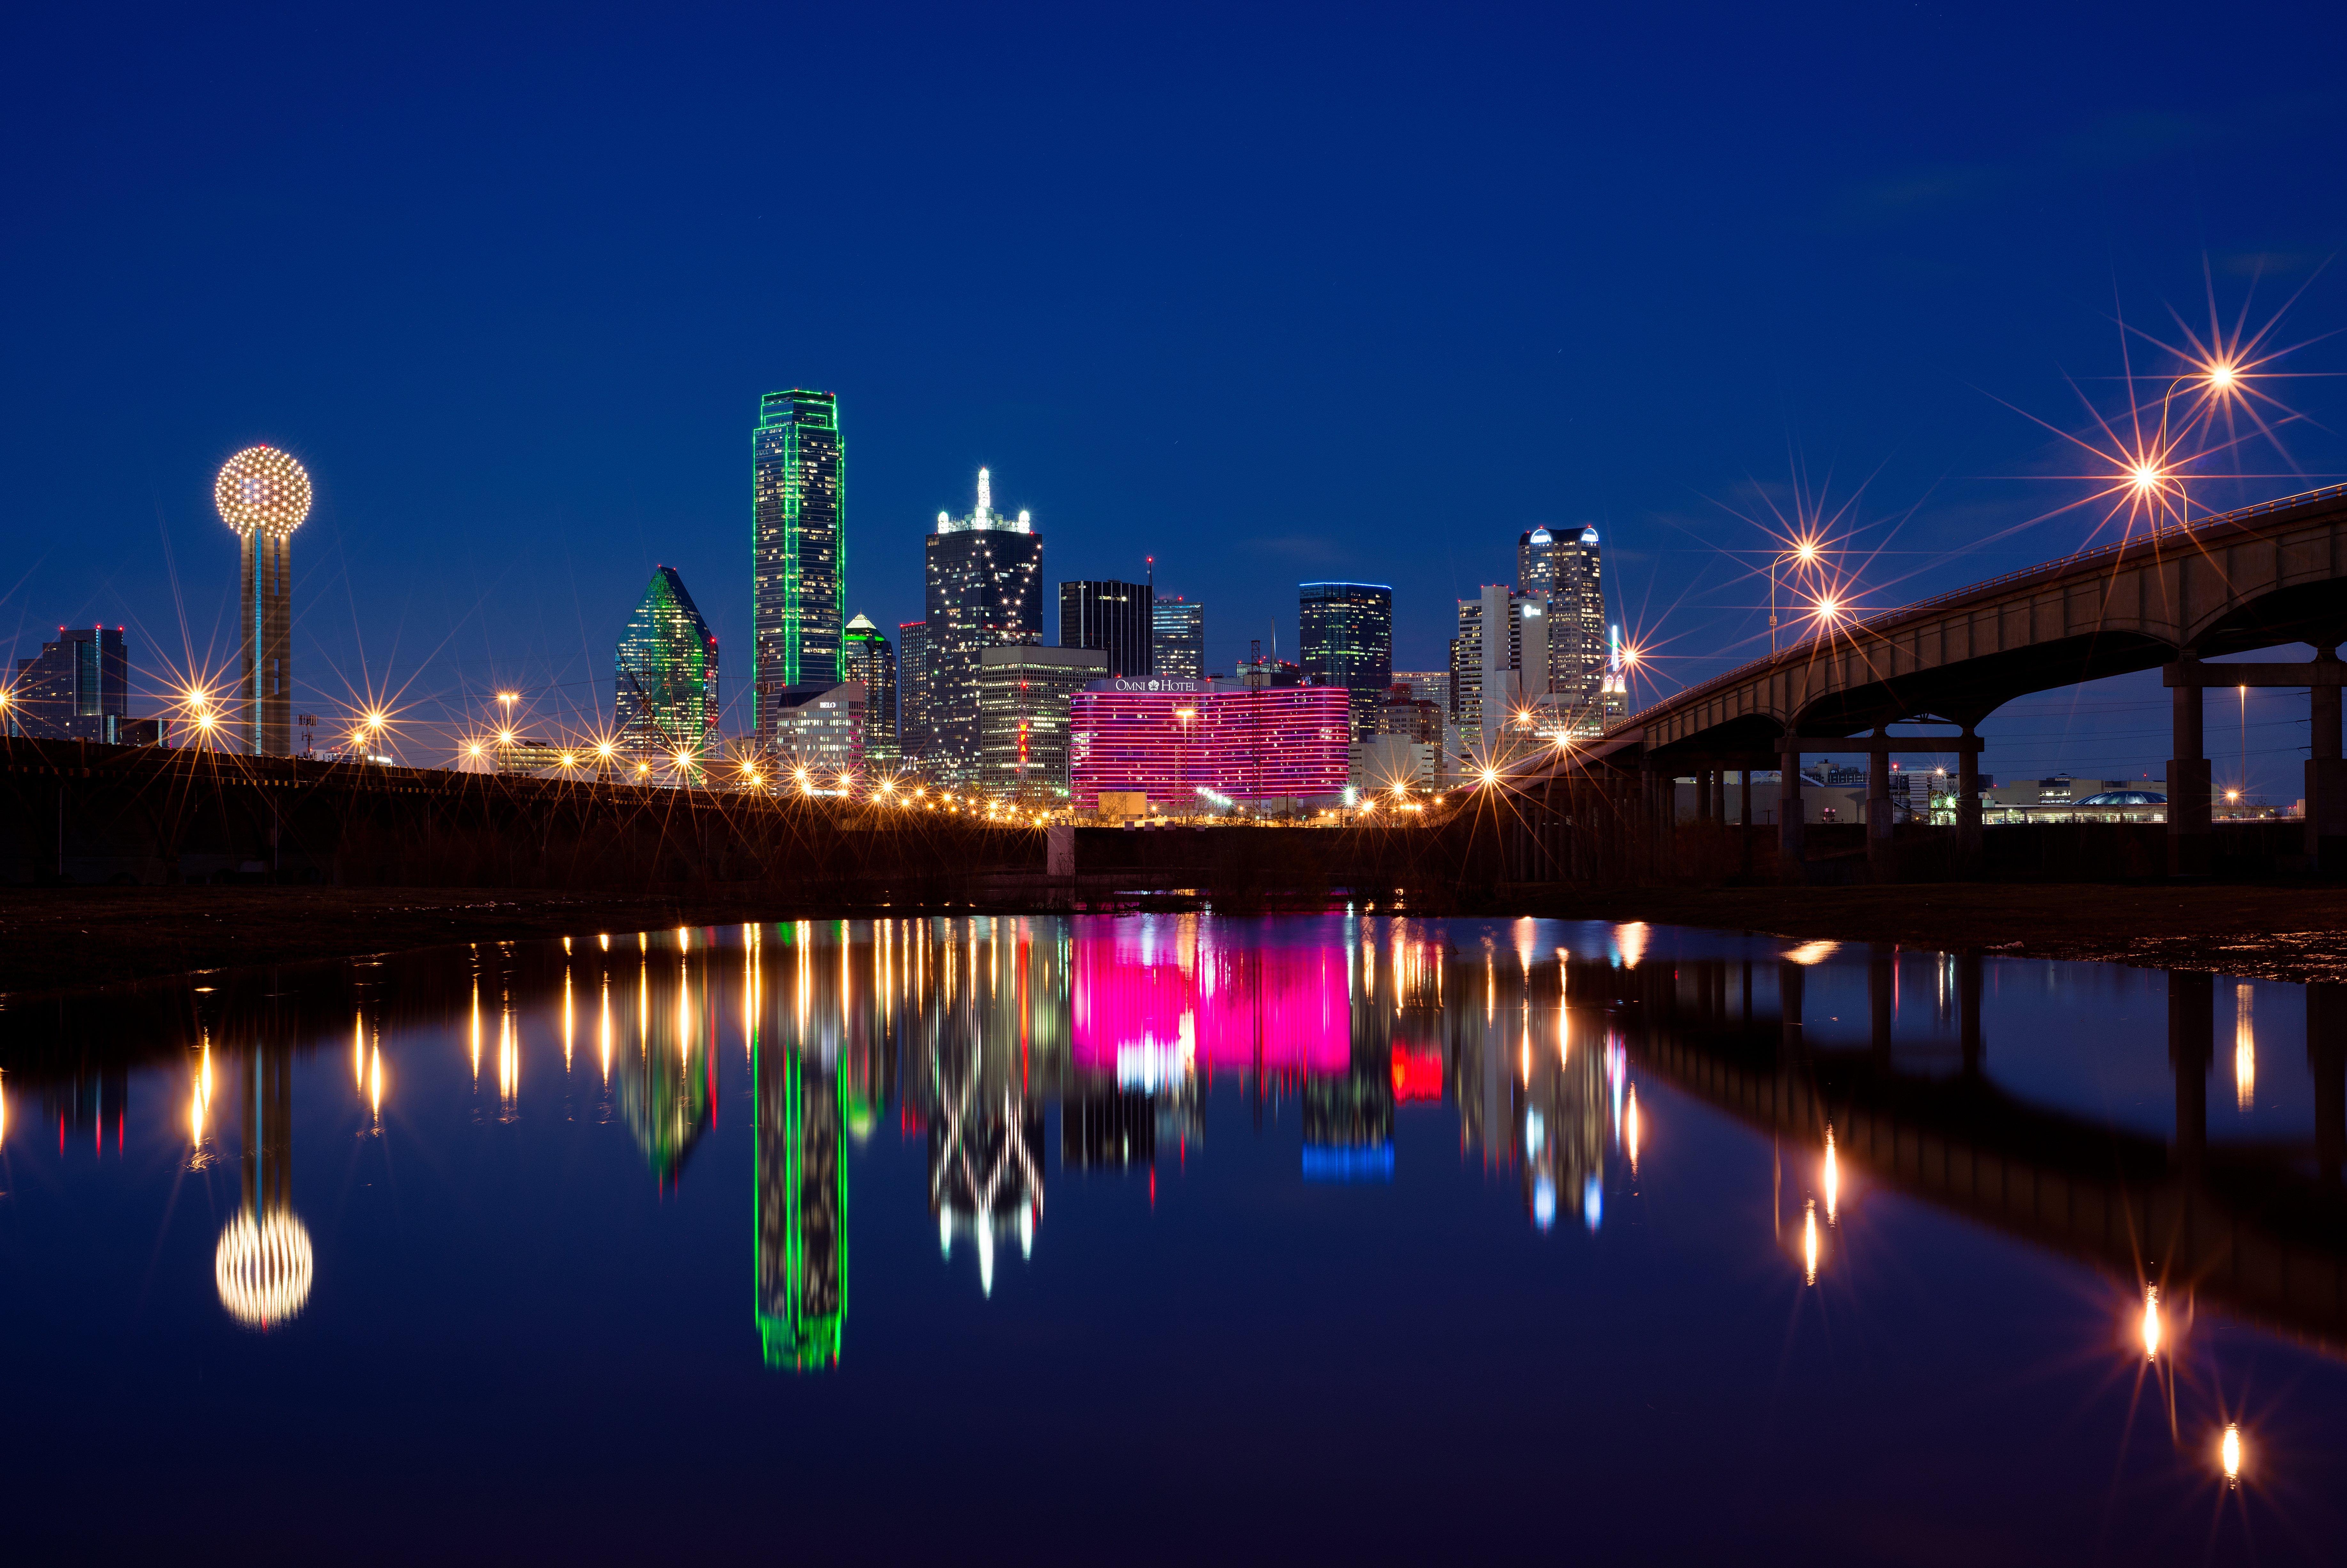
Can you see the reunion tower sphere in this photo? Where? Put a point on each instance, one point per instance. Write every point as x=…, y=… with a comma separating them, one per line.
x=263, y=1269
x=263, y=489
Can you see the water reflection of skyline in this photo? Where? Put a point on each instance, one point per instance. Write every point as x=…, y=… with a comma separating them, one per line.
x=971, y=1034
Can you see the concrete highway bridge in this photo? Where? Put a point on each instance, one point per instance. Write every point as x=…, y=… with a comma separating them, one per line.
x=1923, y=678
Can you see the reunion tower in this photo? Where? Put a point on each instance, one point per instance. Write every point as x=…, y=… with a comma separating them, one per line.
x=263, y=494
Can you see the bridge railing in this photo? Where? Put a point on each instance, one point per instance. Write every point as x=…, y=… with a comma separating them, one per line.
x=1882, y=620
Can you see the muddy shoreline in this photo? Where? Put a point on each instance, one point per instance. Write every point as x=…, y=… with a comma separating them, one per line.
x=75, y=940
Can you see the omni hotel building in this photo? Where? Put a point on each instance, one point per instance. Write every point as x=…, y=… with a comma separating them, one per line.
x=1175, y=740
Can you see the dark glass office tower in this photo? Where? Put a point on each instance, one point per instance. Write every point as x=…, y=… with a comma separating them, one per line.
x=667, y=667
x=1562, y=563
x=798, y=546
x=1179, y=639
x=78, y=689
x=985, y=587
x=1115, y=618
x=913, y=692
x=1347, y=640
x=872, y=663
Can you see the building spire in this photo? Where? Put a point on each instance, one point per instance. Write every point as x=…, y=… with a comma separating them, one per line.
x=985, y=496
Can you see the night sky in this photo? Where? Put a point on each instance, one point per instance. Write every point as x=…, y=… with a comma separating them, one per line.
x=1271, y=293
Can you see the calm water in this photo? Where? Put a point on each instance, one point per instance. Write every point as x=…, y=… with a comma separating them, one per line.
x=1177, y=1238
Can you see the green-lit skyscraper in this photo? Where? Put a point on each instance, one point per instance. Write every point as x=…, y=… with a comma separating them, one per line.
x=871, y=662
x=799, y=548
x=667, y=670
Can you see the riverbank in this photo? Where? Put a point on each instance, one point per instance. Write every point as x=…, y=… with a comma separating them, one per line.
x=63, y=940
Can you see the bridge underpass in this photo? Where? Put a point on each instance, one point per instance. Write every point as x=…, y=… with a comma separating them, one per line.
x=2176, y=599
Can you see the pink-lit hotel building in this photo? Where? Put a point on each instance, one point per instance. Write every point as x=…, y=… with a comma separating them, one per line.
x=1170, y=739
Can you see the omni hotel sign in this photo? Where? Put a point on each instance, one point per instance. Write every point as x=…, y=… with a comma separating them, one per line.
x=1145, y=688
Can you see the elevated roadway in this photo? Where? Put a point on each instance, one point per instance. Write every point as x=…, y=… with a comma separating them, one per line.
x=2261, y=577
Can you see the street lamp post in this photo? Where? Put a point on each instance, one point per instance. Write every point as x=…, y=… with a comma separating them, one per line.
x=1805, y=552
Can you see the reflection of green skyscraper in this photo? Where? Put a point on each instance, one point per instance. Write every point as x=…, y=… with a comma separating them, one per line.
x=802, y=1259
x=667, y=670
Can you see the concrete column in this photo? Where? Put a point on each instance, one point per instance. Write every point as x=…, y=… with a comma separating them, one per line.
x=2326, y=1053
x=2191, y=1034
x=1791, y=834
x=1744, y=814
x=1968, y=1012
x=1968, y=809
x=2326, y=775
x=1702, y=777
x=2189, y=830
x=1882, y=999
x=1879, y=861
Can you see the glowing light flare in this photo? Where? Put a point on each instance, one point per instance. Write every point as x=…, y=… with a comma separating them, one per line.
x=1809, y=1243
x=2151, y=1329
x=1832, y=1179
x=2229, y=1453
x=1632, y=1129
x=1809, y=953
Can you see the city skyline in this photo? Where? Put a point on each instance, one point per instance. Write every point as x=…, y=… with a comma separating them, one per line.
x=491, y=540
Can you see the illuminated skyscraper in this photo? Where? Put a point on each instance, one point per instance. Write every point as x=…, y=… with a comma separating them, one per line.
x=1179, y=639
x=667, y=670
x=264, y=494
x=1498, y=663
x=871, y=663
x=985, y=590
x=1023, y=695
x=1347, y=640
x=1116, y=617
x=799, y=546
x=1564, y=565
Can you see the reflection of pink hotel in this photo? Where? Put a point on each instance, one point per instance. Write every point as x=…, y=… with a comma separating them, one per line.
x=1153, y=1005
x=1168, y=744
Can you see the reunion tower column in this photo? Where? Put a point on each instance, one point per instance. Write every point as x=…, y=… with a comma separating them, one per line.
x=263, y=494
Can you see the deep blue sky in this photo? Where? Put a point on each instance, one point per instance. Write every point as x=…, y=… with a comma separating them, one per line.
x=1272, y=294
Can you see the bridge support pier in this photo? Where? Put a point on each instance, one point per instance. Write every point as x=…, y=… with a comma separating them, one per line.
x=1880, y=864
x=1791, y=836
x=1968, y=809
x=1744, y=817
x=1881, y=1000
x=2189, y=826
x=1968, y=1012
x=2326, y=1054
x=1702, y=777
x=2326, y=774
x=2191, y=1034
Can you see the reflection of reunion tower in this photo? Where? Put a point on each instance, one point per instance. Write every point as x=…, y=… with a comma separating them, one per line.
x=263, y=1265
x=263, y=494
